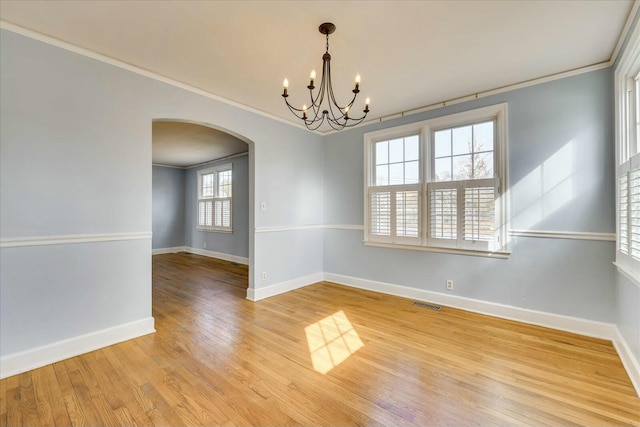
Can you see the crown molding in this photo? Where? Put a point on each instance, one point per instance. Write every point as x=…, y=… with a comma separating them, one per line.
x=5, y=25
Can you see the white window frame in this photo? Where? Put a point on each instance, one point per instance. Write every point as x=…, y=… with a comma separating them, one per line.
x=215, y=200
x=627, y=115
x=425, y=129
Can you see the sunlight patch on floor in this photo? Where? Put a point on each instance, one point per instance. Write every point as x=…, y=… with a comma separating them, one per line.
x=331, y=341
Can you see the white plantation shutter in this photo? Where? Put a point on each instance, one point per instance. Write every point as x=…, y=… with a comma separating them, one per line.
x=462, y=214
x=443, y=212
x=395, y=214
x=209, y=214
x=223, y=213
x=201, y=209
x=479, y=213
x=205, y=213
x=380, y=221
x=407, y=210
x=634, y=214
x=623, y=231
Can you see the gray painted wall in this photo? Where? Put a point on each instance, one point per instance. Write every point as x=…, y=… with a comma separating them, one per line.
x=75, y=141
x=561, y=178
x=81, y=129
x=628, y=312
x=168, y=207
x=236, y=243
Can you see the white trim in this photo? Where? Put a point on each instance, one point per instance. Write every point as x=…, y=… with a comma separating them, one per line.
x=625, y=32
x=16, y=363
x=276, y=229
x=549, y=320
x=173, y=250
x=218, y=255
x=573, y=235
x=629, y=361
x=282, y=287
x=280, y=228
x=159, y=165
x=134, y=69
x=229, y=157
x=344, y=227
x=470, y=252
x=13, y=242
x=622, y=270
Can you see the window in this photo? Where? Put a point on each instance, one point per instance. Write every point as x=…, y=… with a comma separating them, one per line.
x=436, y=185
x=627, y=90
x=215, y=198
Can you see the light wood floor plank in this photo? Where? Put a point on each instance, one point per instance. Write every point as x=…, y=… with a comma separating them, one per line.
x=322, y=355
x=14, y=407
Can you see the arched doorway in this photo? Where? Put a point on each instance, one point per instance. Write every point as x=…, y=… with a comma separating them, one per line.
x=203, y=186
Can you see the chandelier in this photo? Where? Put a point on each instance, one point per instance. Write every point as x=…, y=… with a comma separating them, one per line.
x=316, y=114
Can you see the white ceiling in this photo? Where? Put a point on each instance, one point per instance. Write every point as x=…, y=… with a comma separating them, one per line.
x=185, y=144
x=409, y=53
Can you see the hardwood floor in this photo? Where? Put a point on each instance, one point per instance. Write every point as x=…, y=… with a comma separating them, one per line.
x=322, y=355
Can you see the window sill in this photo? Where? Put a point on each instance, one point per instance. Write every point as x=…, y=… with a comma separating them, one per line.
x=626, y=273
x=210, y=230
x=485, y=254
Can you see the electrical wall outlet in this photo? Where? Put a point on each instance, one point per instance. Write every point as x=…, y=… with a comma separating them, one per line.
x=449, y=284
x=264, y=275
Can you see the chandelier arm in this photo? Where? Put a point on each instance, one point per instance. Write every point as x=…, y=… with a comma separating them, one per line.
x=320, y=122
x=336, y=125
x=355, y=121
x=294, y=110
x=315, y=113
x=335, y=118
x=316, y=104
x=326, y=77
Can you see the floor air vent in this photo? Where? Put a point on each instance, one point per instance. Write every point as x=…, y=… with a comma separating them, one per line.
x=427, y=305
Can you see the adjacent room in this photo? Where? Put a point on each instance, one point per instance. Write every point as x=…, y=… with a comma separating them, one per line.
x=320, y=213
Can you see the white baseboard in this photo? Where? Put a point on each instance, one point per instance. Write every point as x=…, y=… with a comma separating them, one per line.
x=173, y=250
x=16, y=363
x=282, y=287
x=629, y=361
x=218, y=255
x=555, y=321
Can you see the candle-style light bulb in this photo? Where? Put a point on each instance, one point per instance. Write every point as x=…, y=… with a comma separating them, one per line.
x=346, y=112
x=304, y=111
x=366, y=105
x=285, y=85
x=356, y=90
x=358, y=78
x=312, y=78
